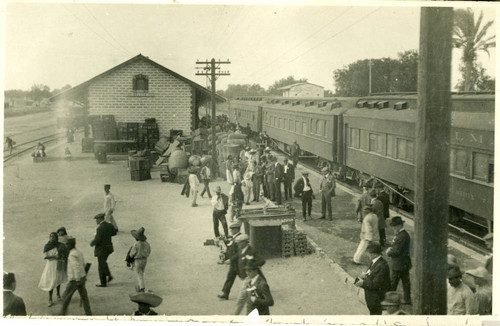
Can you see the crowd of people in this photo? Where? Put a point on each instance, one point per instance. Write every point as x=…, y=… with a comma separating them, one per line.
x=381, y=280
x=65, y=265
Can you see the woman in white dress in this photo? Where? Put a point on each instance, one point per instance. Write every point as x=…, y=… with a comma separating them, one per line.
x=229, y=169
x=54, y=273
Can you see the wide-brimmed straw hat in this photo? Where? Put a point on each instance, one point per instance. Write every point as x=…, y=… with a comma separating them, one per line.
x=479, y=272
x=148, y=298
x=139, y=234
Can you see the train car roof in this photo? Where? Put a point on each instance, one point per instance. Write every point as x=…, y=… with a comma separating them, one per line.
x=468, y=120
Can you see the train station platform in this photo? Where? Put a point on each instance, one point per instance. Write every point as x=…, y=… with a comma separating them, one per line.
x=39, y=198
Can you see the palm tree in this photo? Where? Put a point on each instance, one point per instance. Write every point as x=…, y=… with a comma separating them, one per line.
x=471, y=37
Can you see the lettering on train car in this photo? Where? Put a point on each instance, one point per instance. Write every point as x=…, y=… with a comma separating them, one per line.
x=468, y=137
x=464, y=194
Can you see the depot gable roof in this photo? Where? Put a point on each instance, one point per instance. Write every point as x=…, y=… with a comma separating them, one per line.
x=77, y=92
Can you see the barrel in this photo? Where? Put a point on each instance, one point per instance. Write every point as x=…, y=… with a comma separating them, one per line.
x=194, y=160
x=206, y=159
x=241, y=142
x=100, y=152
x=237, y=136
x=233, y=150
x=178, y=160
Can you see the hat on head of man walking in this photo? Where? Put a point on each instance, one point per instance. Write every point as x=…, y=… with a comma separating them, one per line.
x=139, y=234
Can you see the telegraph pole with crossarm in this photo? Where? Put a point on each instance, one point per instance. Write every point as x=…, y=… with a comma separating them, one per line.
x=212, y=71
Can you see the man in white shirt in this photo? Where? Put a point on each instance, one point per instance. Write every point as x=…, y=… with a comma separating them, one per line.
x=193, y=186
x=109, y=206
x=459, y=296
x=76, y=278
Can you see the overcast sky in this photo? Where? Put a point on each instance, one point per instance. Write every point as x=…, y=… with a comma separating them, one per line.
x=68, y=43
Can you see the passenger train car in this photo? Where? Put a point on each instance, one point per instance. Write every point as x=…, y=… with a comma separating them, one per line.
x=375, y=137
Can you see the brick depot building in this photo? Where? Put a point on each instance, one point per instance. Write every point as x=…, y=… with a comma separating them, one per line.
x=141, y=88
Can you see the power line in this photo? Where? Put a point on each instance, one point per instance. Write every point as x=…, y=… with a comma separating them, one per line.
x=84, y=23
x=304, y=40
x=323, y=42
x=104, y=28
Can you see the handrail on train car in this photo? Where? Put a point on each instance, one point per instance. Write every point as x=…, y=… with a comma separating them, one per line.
x=385, y=184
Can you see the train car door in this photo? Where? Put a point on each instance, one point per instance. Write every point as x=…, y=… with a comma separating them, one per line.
x=335, y=138
x=259, y=119
x=341, y=140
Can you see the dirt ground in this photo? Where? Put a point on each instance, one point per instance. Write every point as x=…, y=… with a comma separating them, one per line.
x=41, y=197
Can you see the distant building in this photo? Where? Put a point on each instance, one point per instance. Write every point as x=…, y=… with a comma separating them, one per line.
x=141, y=88
x=303, y=90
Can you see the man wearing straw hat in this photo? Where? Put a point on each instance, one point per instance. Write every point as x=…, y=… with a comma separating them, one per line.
x=483, y=291
x=139, y=254
x=145, y=300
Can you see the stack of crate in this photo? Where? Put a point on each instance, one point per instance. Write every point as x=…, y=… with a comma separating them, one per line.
x=132, y=131
x=109, y=125
x=300, y=243
x=121, y=130
x=139, y=168
x=287, y=238
x=149, y=133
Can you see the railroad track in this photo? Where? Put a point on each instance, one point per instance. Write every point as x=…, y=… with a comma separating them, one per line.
x=20, y=149
x=459, y=234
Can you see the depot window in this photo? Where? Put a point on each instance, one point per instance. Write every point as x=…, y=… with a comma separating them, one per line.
x=140, y=83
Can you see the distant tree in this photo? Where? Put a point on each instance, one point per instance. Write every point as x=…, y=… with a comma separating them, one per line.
x=469, y=36
x=290, y=80
x=57, y=91
x=233, y=91
x=388, y=75
x=39, y=92
x=16, y=93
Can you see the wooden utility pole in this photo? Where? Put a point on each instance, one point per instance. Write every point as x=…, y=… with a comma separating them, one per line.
x=210, y=70
x=432, y=161
x=369, y=77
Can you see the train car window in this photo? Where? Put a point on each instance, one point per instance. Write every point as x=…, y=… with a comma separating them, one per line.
x=319, y=128
x=459, y=161
x=253, y=116
x=324, y=128
x=375, y=144
x=304, y=128
x=405, y=150
x=354, y=141
x=491, y=172
x=282, y=123
x=297, y=126
x=389, y=146
x=482, y=167
x=239, y=114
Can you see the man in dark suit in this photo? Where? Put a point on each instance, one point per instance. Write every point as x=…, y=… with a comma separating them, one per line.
x=400, y=259
x=376, y=281
x=259, y=295
x=383, y=196
x=103, y=248
x=231, y=255
x=288, y=177
x=278, y=177
x=303, y=189
x=245, y=253
x=12, y=304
